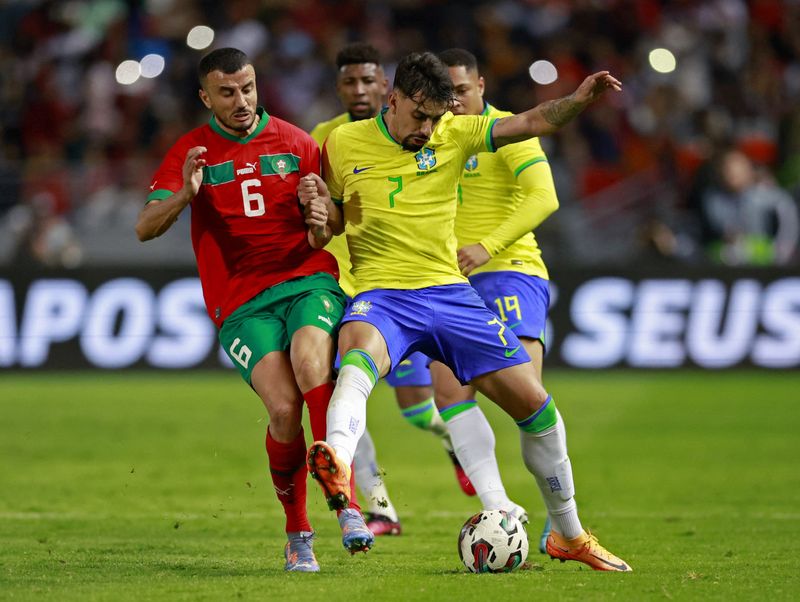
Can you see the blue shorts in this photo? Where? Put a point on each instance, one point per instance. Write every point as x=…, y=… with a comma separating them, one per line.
x=414, y=371
x=519, y=300
x=411, y=372
x=448, y=323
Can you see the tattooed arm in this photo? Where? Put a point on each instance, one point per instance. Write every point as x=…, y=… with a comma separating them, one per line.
x=549, y=116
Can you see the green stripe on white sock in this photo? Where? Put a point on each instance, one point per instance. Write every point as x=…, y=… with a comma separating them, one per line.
x=454, y=409
x=542, y=419
x=363, y=361
x=421, y=414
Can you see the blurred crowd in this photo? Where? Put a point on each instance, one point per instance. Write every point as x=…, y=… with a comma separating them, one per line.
x=701, y=164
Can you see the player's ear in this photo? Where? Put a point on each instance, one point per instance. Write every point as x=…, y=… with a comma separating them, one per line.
x=391, y=102
x=204, y=98
x=481, y=86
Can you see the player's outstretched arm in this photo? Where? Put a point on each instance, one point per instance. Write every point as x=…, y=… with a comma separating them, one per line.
x=551, y=115
x=158, y=216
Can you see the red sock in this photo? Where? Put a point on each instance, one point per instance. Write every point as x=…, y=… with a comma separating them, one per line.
x=287, y=466
x=317, y=401
x=353, y=500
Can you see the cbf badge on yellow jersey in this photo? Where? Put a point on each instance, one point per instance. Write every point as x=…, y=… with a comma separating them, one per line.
x=399, y=206
x=426, y=159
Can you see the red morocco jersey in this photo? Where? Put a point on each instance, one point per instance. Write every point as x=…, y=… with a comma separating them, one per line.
x=248, y=230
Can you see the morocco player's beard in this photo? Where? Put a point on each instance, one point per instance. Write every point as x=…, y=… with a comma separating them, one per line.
x=239, y=127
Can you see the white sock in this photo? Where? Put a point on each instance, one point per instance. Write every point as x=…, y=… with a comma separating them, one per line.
x=473, y=443
x=545, y=455
x=347, y=411
x=369, y=480
x=437, y=426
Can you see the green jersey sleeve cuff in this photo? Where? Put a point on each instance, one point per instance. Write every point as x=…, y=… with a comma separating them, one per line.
x=159, y=195
x=489, y=139
x=527, y=164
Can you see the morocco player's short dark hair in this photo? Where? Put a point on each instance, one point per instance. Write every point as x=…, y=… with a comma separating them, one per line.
x=227, y=60
x=357, y=53
x=458, y=57
x=424, y=74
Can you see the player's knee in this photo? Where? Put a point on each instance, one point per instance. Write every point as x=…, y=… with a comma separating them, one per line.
x=446, y=398
x=537, y=395
x=284, y=417
x=310, y=370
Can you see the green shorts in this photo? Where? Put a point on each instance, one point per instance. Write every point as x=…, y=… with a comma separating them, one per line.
x=268, y=321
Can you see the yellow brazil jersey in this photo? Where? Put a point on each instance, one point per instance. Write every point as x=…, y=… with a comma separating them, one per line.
x=338, y=245
x=323, y=129
x=490, y=196
x=400, y=206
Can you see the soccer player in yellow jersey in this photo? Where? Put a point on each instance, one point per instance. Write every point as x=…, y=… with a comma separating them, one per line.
x=361, y=86
x=396, y=179
x=502, y=197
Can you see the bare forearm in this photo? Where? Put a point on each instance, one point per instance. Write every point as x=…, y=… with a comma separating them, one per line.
x=561, y=111
x=543, y=119
x=551, y=115
x=158, y=216
x=335, y=218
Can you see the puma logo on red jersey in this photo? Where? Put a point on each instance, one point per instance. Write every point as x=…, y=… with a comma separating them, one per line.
x=251, y=168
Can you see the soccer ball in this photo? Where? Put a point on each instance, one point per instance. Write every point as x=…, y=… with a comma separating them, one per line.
x=492, y=541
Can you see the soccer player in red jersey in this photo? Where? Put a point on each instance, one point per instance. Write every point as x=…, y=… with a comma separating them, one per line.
x=268, y=286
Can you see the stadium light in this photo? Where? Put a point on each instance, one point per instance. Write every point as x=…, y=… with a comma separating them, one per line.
x=662, y=60
x=543, y=72
x=128, y=72
x=152, y=65
x=200, y=37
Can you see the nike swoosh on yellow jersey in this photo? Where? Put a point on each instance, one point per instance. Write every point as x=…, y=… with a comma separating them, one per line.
x=356, y=170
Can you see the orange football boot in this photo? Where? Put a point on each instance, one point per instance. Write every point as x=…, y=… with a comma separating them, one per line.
x=330, y=473
x=586, y=549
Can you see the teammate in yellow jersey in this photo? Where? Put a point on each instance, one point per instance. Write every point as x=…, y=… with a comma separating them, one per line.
x=502, y=197
x=396, y=179
x=361, y=86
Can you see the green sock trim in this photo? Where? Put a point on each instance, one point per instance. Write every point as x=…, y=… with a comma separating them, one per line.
x=363, y=361
x=449, y=412
x=542, y=419
x=420, y=414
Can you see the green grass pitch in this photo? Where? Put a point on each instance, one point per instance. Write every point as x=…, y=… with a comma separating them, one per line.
x=152, y=486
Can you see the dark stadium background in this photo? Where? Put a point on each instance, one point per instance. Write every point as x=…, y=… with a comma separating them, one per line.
x=132, y=464
x=633, y=174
